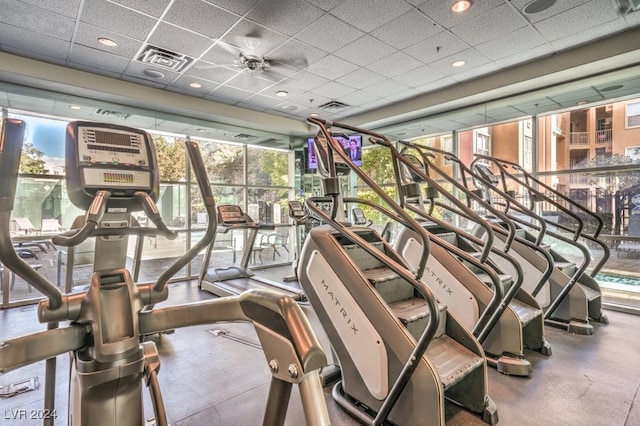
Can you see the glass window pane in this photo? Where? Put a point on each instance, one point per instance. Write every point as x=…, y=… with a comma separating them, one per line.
x=267, y=167
x=171, y=156
x=224, y=162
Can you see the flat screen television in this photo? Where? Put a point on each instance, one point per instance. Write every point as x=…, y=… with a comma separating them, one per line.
x=352, y=146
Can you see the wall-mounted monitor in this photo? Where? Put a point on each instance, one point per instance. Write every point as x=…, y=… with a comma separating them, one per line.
x=352, y=146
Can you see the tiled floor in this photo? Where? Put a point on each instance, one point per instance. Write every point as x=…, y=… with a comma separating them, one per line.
x=223, y=380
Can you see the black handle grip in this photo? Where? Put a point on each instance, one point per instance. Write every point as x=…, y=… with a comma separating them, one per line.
x=11, y=141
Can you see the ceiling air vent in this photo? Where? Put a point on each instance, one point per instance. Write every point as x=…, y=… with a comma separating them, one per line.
x=333, y=106
x=111, y=113
x=164, y=58
x=244, y=136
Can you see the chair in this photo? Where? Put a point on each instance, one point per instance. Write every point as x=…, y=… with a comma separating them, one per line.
x=280, y=238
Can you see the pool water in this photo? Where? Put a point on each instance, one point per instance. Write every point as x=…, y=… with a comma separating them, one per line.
x=618, y=279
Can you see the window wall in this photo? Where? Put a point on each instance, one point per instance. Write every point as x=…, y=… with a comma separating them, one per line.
x=257, y=179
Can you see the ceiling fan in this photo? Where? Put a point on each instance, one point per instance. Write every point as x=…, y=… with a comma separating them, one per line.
x=251, y=54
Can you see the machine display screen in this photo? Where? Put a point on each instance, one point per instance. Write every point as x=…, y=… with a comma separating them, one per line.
x=113, y=147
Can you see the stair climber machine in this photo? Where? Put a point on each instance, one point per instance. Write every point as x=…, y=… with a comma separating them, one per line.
x=571, y=297
x=233, y=280
x=402, y=354
x=111, y=172
x=503, y=317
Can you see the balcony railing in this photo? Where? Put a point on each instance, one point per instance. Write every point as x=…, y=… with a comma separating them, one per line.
x=603, y=136
x=582, y=138
x=579, y=138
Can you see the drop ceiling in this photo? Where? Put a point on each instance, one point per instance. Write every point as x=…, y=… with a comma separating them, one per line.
x=214, y=68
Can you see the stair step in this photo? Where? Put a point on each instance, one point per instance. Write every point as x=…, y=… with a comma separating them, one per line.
x=452, y=360
x=362, y=258
x=414, y=314
x=526, y=313
x=590, y=293
x=569, y=268
x=388, y=284
x=504, y=278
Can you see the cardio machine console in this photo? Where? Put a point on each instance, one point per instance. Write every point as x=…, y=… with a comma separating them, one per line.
x=109, y=157
x=296, y=210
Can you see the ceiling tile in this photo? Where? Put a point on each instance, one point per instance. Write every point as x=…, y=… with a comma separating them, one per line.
x=333, y=90
x=179, y=40
x=360, y=97
x=36, y=42
x=230, y=95
x=37, y=20
x=67, y=8
x=360, y=78
x=95, y=70
x=406, y=29
x=88, y=35
x=473, y=69
x=556, y=8
x=286, y=16
x=331, y=67
x=592, y=33
x=395, y=64
x=325, y=5
x=296, y=54
x=364, y=51
x=117, y=19
x=436, y=47
x=440, y=11
x=419, y=76
x=515, y=42
x=386, y=88
x=183, y=82
x=259, y=102
x=210, y=72
x=329, y=34
x=250, y=82
x=200, y=17
x=483, y=27
x=236, y=6
x=154, y=8
x=576, y=20
x=98, y=59
x=305, y=80
x=368, y=15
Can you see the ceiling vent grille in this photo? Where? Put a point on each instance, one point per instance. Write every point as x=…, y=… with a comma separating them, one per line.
x=244, y=136
x=164, y=58
x=333, y=106
x=111, y=113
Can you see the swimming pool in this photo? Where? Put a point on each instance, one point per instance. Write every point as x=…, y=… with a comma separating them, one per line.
x=618, y=279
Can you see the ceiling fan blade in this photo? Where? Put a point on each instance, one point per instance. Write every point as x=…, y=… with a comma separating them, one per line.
x=250, y=45
x=235, y=50
x=298, y=63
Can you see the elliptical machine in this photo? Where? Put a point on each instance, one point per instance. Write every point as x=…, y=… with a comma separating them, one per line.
x=112, y=171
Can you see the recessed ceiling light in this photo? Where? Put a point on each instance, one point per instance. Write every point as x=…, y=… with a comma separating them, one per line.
x=314, y=114
x=195, y=85
x=282, y=93
x=153, y=73
x=582, y=102
x=201, y=130
x=74, y=106
x=537, y=6
x=461, y=6
x=289, y=107
x=107, y=42
x=458, y=63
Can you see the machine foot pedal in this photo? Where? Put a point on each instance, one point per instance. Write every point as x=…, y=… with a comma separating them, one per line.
x=19, y=387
